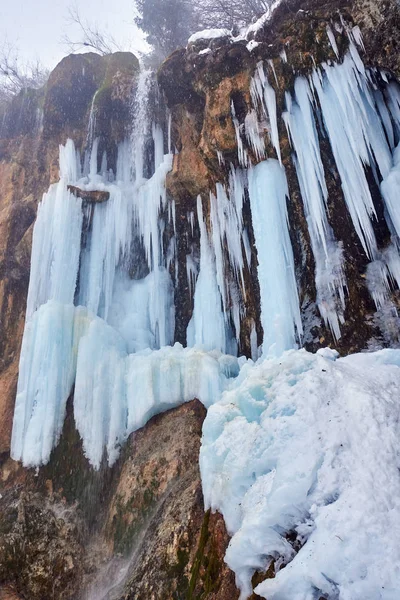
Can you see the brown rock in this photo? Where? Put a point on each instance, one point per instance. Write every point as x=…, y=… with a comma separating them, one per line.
x=91, y=196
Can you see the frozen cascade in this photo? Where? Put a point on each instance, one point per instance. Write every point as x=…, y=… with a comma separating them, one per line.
x=280, y=313
x=109, y=242
x=227, y=229
x=55, y=349
x=104, y=344
x=329, y=276
x=116, y=393
x=55, y=249
x=46, y=376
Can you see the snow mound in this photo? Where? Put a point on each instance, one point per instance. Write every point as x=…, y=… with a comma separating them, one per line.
x=307, y=445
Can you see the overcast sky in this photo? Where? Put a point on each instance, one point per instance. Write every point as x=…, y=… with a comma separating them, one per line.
x=36, y=27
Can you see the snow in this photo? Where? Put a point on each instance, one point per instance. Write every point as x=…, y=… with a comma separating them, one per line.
x=208, y=34
x=252, y=45
x=262, y=21
x=308, y=444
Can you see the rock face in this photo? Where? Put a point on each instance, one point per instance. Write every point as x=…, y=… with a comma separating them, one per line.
x=72, y=528
x=139, y=529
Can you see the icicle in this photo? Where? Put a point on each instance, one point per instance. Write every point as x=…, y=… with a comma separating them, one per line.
x=141, y=122
x=56, y=240
x=385, y=117
x=207, y=326
x=124, y=163
x=253, y=342
x=356, y=136
x=392, y=92
x=93, y=160
x=109, y=240
x=169, y=132
x=158, y=140
x=254, y=135
x=390, y=187
x=242, y=152
x=191, y=273
x=191, y=221
x=329, y=275
x=377, y=282
x=103, y=168
x=46, y=376
x=263, y=94
x=271, y=64
x=332, y=40
x=280, y=314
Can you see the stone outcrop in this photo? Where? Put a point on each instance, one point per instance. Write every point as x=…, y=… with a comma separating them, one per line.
x=91, y=196
x=69, y=528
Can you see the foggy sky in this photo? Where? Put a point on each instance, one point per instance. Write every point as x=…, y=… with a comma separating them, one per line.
x=36, y=27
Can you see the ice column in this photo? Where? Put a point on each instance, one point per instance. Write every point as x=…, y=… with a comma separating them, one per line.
x=227, y=231
x=280, y=314
x=207, y=327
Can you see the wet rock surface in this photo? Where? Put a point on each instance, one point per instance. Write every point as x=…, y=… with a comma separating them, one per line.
x=136, y=530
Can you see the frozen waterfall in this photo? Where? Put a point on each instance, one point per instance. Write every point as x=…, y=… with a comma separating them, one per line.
x=284, y=449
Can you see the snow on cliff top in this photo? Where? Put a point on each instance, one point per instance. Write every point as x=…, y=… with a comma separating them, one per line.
x=208, y=34
x=211, y=34
x=259, y=24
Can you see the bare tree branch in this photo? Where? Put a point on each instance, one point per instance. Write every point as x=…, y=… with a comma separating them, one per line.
x=90, y=36
x=16, y=75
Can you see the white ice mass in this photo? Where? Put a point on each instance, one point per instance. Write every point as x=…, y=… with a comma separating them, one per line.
x=300, y=451
x=308, y=444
